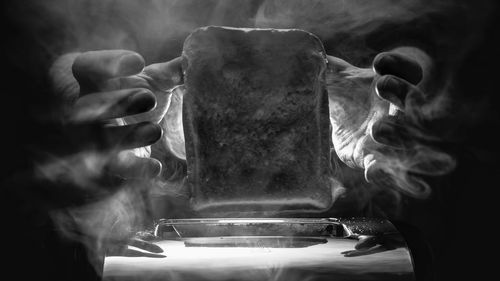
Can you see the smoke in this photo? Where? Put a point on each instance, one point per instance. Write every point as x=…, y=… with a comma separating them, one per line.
x=345, y=26
x=88, y=209
x=344, y=20
x=104, y=225
x=329, y=18
x=156, y=29
x=356, y=31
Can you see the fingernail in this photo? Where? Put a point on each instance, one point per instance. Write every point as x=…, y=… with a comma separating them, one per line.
x=383, y=64
x=142, y=101
x=391, y=89
x=154, y=169
x=130, y=64
x=400, y=66
x=154, y=248
x=150, y=168
x=149, y=132
x=389, y=83
x=366, y=242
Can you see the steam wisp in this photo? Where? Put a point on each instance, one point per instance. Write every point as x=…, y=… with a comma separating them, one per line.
x=156, y=29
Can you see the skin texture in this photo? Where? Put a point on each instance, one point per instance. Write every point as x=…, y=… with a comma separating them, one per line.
x=376, y=113
x=113, y=92
x=366, y=104
x=110, y=109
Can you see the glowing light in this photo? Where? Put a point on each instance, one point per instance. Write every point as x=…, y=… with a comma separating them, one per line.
x=251, y=221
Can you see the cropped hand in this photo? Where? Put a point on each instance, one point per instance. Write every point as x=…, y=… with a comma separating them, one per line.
x=378, y=116
x=110, y=107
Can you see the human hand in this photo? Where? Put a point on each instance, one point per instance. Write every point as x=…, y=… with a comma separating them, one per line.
x=378, y=118
x=133, y=247
x=372, y=244
x=110, y=106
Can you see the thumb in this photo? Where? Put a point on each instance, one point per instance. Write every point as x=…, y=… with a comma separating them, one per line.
x=337, y=65
x=344, y=69
x=166, y=75
x=162, y=78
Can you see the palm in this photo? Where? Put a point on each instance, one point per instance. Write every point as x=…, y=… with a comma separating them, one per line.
x=354, y=107
x=378, y=119
x=159, y=78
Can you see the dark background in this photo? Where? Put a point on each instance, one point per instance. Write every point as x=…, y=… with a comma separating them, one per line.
x=458, y=220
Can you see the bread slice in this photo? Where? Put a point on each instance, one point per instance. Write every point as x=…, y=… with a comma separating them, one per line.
x=256, y=121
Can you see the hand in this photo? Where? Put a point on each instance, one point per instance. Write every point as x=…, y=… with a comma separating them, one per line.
x=378, y=118
x=142, y=248
x=110, y=106
x=372, y=244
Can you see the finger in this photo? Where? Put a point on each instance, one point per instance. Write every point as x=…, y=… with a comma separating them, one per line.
x=392, y=240
x=92, y=68
x=114, y=104
x=126, y=82
x=161, y=78
x=358, y=253
x=390, y=63
x=145, y=82
x=394, y=90
x=375, y=172
x=128, y=166
x=341, y=68
x=164, y=76
x=352, y=253
x=136, y=253
x=366, y=242
x=130, y=136
x=392, y=131
x=155, y=115
x=147, y=246
x=103, y=138
x=337, y=64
